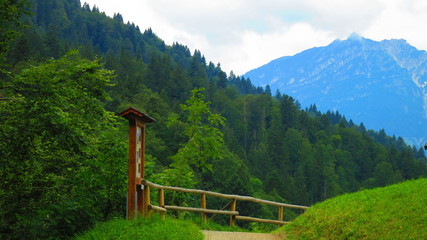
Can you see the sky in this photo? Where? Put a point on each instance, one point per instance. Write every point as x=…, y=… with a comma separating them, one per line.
x=242, y=35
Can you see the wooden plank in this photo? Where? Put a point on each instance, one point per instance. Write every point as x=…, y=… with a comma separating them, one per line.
x=260, y=220
x=221, y=195
x=200, y=210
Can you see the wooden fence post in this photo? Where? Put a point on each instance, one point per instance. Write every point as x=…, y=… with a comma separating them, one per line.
x=280, y=215
x=162, y=202
x=147, y=200
x=233, y=208
x=203, y=203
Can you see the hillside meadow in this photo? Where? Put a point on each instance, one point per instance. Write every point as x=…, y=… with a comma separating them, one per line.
x=392, y=212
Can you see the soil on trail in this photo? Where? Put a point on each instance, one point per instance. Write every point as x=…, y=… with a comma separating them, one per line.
x=217, y=235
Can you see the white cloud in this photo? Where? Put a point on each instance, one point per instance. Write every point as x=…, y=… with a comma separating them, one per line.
x=245, y=34
x=256, y=49
x=402, y=19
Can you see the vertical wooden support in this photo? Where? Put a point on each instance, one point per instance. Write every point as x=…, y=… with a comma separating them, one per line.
x=280, y=215
x=147, y=200
x=137, y=121
x=233, y=208
x=162, y=202
x=203, y=206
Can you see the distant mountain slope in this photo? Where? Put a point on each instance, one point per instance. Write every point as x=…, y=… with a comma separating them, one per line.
x=382, y=84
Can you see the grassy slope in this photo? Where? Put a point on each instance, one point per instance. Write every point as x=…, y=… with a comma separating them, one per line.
x=143, y=229
x=394, y=212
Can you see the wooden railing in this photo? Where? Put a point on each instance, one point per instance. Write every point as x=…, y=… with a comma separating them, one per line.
x=233, y=213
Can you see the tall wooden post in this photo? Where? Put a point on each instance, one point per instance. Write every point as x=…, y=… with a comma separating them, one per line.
x=137, y=121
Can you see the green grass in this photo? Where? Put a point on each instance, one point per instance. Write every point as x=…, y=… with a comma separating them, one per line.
x=143, y=229
x=394, y=212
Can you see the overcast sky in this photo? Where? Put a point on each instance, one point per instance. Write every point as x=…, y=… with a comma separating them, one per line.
x=244, y=34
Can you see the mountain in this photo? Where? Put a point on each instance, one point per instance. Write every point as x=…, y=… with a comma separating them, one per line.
x=382, y=84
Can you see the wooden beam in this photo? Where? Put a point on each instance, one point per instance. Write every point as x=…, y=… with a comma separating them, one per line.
x=200, y=210
x=260, y=220
x=157, y=208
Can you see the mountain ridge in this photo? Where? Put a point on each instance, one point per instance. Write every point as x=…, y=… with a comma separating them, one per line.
x=382, y=84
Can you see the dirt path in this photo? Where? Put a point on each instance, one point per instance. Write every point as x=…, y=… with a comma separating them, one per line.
x=216, y=235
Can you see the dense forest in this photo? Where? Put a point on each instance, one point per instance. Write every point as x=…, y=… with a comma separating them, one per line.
x=67, y=69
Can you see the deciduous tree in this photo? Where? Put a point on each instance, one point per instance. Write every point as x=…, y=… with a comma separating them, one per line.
x=57, y=150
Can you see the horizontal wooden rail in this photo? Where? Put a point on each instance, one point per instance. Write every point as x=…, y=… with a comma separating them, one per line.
x=201, y=210
x=260, y=220
x=222, y=195
x=156, y=208
x=233, y=213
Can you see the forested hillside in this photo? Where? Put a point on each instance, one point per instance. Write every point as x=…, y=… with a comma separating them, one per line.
x=63, y=148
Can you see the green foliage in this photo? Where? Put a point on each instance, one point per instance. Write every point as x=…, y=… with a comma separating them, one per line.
x=142, y=228
x=204, y=143
x=202, y=148
x=61, y=169
x=391, y=212
x=205, y=140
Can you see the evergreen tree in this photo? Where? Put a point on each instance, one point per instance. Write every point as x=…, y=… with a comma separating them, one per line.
x=11, y=12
